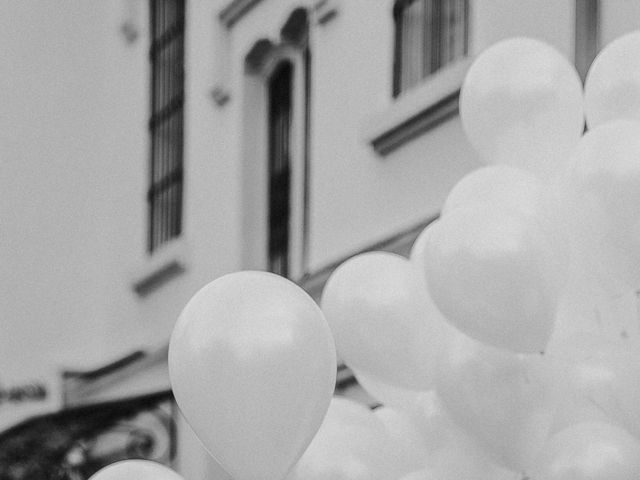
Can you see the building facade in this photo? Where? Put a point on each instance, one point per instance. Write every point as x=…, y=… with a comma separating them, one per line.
x=150, y=146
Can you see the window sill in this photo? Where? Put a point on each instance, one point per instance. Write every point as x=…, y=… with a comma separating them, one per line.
x=234, y=10
x=166, y=263
x=418, y=110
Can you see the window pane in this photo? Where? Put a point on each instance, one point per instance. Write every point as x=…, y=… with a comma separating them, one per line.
x=412, y=40
x=166, y=122
x=429, y=35
x=586, y=34
x=279, y=133
x=426, y=45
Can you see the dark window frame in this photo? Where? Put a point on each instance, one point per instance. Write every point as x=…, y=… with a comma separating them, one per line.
x=166, y=122
x=280, y=118
x=587, y=34
x=434, y=13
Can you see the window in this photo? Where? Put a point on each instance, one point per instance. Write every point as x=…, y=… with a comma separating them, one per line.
x=279, y=135
x=586, y=41
x=276, y=150
x=429, y=34
x=166, y=121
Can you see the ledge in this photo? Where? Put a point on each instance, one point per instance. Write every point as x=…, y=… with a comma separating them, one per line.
x=399, y=243
x=417, y=111
x=324, y=11
x=166, y=263
x=143, y=372
x=235, y=10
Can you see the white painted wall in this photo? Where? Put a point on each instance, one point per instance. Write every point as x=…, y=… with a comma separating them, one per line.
x=74, y=159
x=73, y=147
x=618, y=17
x=57, y=172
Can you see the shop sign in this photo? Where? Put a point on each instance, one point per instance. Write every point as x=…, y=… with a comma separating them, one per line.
x=21, y=399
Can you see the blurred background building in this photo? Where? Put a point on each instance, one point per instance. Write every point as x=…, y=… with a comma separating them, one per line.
x=149, y=146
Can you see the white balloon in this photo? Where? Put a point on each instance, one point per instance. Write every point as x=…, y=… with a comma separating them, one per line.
x=253, y=367
x=577, y=321
x=424, y=474
x=581, y=318
x=522, y=104
x=612, y=87
x=591, y=451
x=450, y=453
x=496, y=275
x=589, y=280
x=135, y=470
x=438, y=430
x=416, y=255
x=601, y=194
x=503, y=185
x=598, y=381
x=505, y=401
x=351, y=444
x=436, y=320
x=375, y=308
x=583, y=383
x=619, y=320
x=390, y=395
x=409, y=445
x=464, y=459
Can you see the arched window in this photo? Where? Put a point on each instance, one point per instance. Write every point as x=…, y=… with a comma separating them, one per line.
x=276, y=150
x=429, y=34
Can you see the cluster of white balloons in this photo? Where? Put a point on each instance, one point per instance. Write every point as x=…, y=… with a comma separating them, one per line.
x=499, y=350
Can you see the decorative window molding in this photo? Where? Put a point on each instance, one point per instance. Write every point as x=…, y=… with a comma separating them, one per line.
x=276, y=149
x=417, y=111
x=235, y=10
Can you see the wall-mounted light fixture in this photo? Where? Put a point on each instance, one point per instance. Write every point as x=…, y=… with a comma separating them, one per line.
x=220, y=95
x=130, y=25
